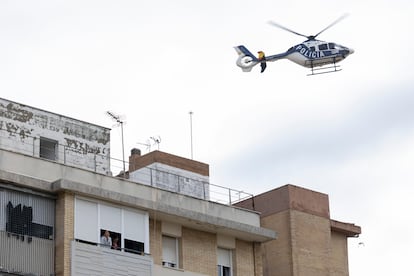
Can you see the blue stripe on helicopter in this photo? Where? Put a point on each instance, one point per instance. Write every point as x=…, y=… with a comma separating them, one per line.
x=246, y=52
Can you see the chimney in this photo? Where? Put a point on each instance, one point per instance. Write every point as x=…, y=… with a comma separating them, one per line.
x=135, y=154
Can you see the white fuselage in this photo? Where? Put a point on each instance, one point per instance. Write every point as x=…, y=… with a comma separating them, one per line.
x=317, y=53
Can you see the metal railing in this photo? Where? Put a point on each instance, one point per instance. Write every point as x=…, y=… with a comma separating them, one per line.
x=90, y=160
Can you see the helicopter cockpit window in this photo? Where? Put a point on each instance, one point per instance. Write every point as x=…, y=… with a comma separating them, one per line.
x=332, y=46
x=323, y=47
x=312, y=48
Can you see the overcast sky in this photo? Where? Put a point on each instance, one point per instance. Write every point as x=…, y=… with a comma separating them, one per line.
x=348, y=134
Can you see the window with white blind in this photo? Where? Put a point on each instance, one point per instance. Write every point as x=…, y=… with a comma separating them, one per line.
x=170, y=252
x=224, y=262
x=129, y=227
x=86, y=220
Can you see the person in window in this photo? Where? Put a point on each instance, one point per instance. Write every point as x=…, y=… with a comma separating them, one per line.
x=115, y=243
x=106, y=239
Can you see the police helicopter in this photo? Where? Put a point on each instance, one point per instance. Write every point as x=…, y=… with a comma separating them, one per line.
x=310, y=53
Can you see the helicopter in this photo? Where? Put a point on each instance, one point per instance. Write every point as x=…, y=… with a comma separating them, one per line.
x=320, y=56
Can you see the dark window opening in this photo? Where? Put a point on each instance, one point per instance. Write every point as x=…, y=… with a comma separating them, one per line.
x=168, y=264
x=323, y=47
x=48, y=149
x=312, y=48
x=134, y=246
x=331, y=46
x=223, y=270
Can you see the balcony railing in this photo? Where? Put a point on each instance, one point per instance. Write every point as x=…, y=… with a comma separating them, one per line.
x=105, y=164
x=89, y=259
x=25, y=255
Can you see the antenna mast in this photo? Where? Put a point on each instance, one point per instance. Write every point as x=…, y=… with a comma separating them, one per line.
x=191, y=132
x=117, y=119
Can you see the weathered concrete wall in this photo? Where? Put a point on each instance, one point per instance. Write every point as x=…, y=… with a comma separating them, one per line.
x=78, y=143
x=172, y=179
x=180, y=208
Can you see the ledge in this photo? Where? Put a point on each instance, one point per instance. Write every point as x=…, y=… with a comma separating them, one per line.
x=348, y=229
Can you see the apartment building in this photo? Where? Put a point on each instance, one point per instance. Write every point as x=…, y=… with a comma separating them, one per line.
x=63, y=213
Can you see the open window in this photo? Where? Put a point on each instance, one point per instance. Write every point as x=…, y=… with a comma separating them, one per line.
x=110, y=239
x=128, y=230
x=48, y=148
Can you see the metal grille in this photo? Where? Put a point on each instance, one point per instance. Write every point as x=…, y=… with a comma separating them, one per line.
x=26, y=233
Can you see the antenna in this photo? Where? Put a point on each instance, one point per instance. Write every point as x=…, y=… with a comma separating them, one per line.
x=191, y=132
x=117, y=119
x=147, y=145
x=157, y=141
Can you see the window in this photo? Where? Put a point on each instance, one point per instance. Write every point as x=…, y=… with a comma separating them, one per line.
x=111, y=239
x=134, y=246
x=48, y=149
x=170, y=255
x=128, y=229
x=323, y=47
x=312, y=48
x=224, y=262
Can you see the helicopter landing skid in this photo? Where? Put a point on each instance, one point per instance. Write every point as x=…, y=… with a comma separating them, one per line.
x=324, y=69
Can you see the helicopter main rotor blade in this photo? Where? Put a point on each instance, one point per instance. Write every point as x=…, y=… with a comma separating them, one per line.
x=330, y=25
x=286, y=29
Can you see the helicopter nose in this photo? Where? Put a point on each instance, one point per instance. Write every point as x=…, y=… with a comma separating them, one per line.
x=351, y=51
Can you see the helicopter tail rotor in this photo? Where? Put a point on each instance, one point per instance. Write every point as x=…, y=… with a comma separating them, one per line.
x=247, y=60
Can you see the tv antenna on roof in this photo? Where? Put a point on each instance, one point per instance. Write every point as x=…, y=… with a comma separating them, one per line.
x=119, y=122
x=147, y=145
x=157, y=141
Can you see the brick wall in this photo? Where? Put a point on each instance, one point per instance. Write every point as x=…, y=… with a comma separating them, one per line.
x=277, y=254
x=137, y=161
x=258, y=255
x=155, y=241
x=199, y=251
x=64, y=233
x=243, y=265
x=310, y=237
x=339, y=254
